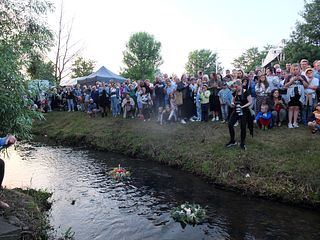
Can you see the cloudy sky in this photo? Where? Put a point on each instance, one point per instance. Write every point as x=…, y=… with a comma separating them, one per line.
x=226, y=26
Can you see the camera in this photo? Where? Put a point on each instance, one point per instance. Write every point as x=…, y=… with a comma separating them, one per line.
x=239, y=110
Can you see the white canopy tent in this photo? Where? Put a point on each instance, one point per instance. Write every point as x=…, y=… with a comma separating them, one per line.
x=272, y=55
x=102, y=75
x=70, y=82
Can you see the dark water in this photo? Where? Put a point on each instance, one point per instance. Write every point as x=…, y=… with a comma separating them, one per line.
x=140, y=208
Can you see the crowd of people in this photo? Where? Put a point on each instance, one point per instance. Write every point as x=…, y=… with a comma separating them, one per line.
x=271, y=96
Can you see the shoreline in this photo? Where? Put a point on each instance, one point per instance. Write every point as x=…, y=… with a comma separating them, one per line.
x=27, y=216
x=199, y=148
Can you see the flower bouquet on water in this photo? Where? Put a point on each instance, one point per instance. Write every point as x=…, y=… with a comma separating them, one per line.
x=189, y=214
x=119, y=173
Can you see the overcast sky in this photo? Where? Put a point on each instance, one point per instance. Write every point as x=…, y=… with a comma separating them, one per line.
x=225, y=26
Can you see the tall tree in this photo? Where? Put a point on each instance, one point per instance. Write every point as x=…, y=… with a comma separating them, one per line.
x=82, y=67
x=38, y=68
x=66, y=50
x=305, y=39
x=204, y=60
x=251, y=58
x=142, y=56
x=23, y=34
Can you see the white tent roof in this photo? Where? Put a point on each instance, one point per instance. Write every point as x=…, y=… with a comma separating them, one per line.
x=272, y=54
x=70, y=82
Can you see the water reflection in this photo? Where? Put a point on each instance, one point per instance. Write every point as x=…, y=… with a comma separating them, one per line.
x=140, y=208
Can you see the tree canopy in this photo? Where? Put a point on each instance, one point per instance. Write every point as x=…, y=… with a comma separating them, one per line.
x=82, y=67
x=305, y=39
x=23, y=34
x=38, y=68
x=142, y=56
x=251, y=58
x=203, y=59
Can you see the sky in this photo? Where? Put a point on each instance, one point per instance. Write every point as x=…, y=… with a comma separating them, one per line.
x=227, y=27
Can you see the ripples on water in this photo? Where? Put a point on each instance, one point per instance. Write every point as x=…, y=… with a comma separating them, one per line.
x=140, y=207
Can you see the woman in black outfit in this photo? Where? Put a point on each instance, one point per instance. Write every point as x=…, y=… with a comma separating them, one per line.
x=103, y=103
x=241, y=101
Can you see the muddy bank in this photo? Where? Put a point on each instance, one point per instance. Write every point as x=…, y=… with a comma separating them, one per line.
x=26, y=218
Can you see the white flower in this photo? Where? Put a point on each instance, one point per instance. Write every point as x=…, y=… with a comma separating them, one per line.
x=188, y=211
x=247, y=175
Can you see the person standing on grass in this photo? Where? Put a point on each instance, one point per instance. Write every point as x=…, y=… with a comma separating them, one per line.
x=204, y=99
x=4, y=143
x=310, y=96
x=295, y=85
x=241, y=101
x=225, y=97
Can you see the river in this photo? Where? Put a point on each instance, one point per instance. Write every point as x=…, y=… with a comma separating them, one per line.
x=96, y=207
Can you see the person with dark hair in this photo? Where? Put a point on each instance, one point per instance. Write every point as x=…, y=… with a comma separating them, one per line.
x=241, y=101
x=128, y=106
x=103, y=102
x=273, y=80
x=70, y=100
x=4, y=143
x=262, y=89
x=214, y=87
x=277, y=108
x=314, y=121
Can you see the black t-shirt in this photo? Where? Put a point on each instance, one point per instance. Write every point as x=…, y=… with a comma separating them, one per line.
x=243, y=98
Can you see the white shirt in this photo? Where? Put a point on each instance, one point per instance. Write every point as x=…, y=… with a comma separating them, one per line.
x=313, y=83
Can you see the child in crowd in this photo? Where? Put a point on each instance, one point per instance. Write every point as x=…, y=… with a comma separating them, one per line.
x=139, y=102
x=310, y=95
x=262, y=90
x=197, y=100
x=264, y=117
x=225, y=97
x=314, y=124
x=277, y=108
x=128, y=106
x=173, y=107
x=92, y=108
x=146, y=104
x=164, y=115
x=204, y=99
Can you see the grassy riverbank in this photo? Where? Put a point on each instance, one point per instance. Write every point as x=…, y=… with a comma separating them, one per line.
x=26, y=213
x=282, y=164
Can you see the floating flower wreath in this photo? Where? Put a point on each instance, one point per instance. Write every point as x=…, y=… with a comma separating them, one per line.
x=119, y=173
x=189, y=214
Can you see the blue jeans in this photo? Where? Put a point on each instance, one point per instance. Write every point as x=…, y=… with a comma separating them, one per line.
x=115, y=106
x=224, y=111
x=306, y=113
x=199, y=112
x=70, y=104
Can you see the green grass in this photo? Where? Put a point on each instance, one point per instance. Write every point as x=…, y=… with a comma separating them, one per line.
x=282, y=163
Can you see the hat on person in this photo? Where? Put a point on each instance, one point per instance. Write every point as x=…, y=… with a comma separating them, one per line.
x=308, y=69
x=205, y=85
